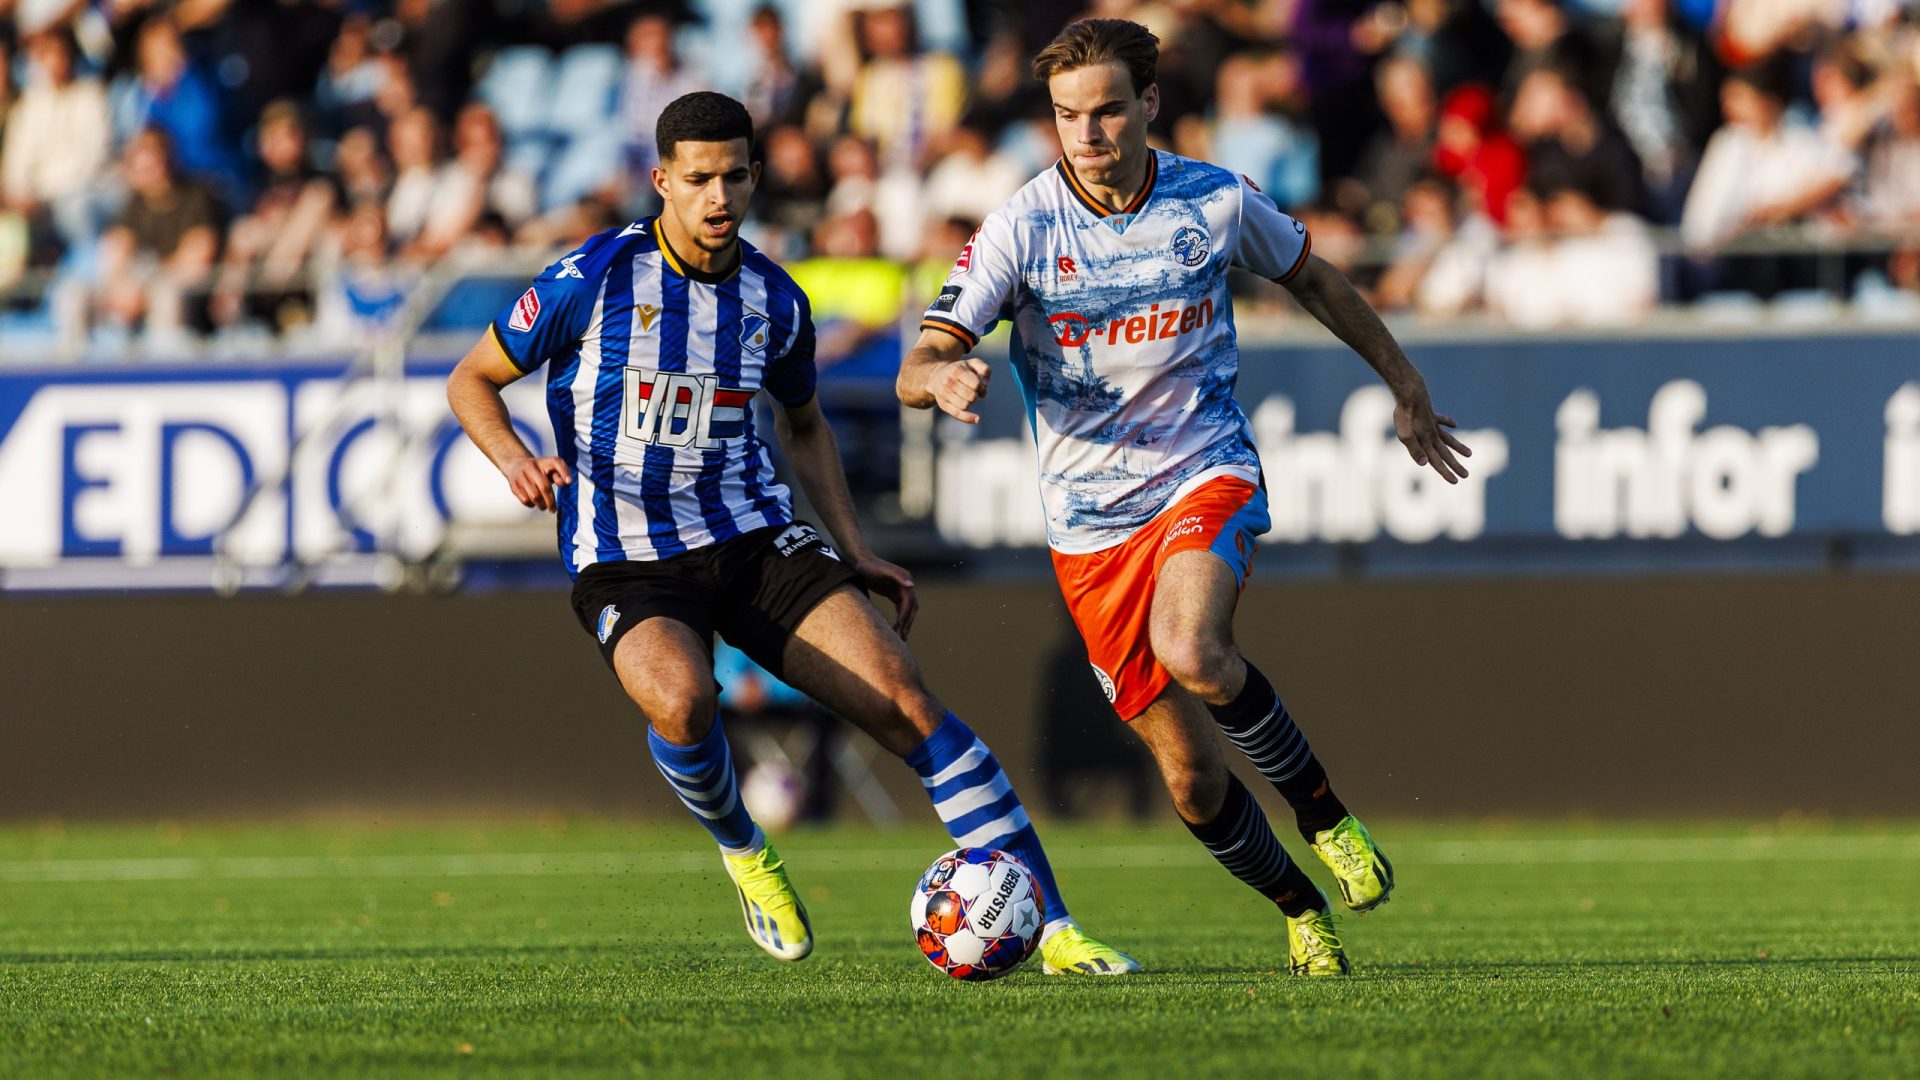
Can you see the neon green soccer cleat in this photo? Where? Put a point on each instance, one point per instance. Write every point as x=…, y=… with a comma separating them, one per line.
x=1072, y=952
x=1364, y=874
x=1314, y=948
x=776, y=919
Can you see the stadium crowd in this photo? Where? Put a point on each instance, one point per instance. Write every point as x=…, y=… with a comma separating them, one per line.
x=179, y=171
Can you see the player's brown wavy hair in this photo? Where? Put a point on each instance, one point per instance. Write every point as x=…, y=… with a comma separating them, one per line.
x=1102, y=41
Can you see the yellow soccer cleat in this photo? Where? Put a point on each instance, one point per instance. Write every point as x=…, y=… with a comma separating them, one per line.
x=1072, y=952
x=1314, y=948
x=1364, y=874
x=776, y=919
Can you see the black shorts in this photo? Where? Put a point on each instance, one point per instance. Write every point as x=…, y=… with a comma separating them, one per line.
x=753, y=589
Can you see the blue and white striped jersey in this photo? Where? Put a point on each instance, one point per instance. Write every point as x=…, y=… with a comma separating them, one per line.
x=652, y=370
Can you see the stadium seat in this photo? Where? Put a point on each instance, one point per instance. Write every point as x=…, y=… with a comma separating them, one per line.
x=517, y=85
x=1806, y=307
x=582, y=166
x=586, y=90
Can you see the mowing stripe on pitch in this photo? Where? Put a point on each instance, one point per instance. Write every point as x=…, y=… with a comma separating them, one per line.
x=1139, y=856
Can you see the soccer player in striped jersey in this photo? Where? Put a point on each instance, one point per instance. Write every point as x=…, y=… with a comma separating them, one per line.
x=656, y=339
x=1114, y=265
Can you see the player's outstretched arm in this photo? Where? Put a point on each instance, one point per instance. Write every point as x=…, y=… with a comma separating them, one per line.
x=807, y=440
x=937, y=371
x=473, y=391
x=1329, y=297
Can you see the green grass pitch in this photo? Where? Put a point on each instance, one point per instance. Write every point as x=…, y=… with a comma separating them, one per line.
x=612, y=949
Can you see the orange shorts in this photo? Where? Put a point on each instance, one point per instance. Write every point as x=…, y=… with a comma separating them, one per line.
x=1109, y=592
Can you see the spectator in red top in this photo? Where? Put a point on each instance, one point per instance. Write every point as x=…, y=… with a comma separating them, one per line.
x=1471, y=149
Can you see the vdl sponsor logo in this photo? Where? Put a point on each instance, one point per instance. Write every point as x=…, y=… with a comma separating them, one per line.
x=674, y=409
x=1655, y=482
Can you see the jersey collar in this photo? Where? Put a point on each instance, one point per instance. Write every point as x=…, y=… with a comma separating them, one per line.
x=691, y=274
x=1087, y=200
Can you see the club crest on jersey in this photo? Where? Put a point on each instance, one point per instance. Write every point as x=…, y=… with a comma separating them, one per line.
x=755, y=332
x=670, y=408
x=609, y=618
x=1191, y=245
x=526, y=311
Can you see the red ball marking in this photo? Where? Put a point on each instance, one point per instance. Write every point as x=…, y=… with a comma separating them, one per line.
x=933, y=948
x=945, y=911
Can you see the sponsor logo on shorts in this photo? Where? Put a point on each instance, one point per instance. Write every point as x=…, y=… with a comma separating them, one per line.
x=796, y=537
x=526, y=311
x=1106, y=682
x=609, y=618
x=1191, y=245
x=948, y=298
x=1186, y=526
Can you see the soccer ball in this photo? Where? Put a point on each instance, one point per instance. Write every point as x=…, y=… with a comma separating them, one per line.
x=977, y=913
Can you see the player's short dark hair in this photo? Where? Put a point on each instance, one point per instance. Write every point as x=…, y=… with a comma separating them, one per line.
x=1102, y=41
x=702, y=116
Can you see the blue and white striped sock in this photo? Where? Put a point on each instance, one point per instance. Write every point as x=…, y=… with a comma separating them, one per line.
x=976, y=801
x=702, y=775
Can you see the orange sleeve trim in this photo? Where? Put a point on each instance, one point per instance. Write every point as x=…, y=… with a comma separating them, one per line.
x=966, y=338
x=1306, y=249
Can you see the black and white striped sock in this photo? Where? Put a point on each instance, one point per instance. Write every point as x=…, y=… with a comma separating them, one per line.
x=1241, y=839
x=1258, y=723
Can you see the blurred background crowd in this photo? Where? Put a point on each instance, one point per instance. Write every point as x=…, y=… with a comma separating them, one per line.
x=252, y=175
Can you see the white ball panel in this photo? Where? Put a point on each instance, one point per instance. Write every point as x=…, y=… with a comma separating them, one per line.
x=964, y=947
x=968, y=881
x=917, y=913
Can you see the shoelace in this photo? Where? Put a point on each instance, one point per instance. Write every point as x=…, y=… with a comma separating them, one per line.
x=1349, y=852
x=1318, y=933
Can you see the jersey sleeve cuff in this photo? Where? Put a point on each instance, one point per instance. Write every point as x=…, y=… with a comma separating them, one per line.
x=966, y=336
x=493, y=331
x=1306, y=248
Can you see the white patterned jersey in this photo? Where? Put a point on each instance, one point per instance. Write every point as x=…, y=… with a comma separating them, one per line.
x=1124, y=345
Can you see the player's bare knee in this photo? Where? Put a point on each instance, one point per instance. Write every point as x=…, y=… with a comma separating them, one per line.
x=1206, y=669
x=682, y=717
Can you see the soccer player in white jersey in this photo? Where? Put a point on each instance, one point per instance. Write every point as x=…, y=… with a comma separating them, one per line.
x=656, y=339
x=1113, y=268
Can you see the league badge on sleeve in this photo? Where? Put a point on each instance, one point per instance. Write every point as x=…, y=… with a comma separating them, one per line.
x=525, y=311
x=948, y=297
x=1191, y=245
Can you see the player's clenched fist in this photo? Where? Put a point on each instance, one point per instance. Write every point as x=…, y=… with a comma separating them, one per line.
x=957, y=385
x=532, y=481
